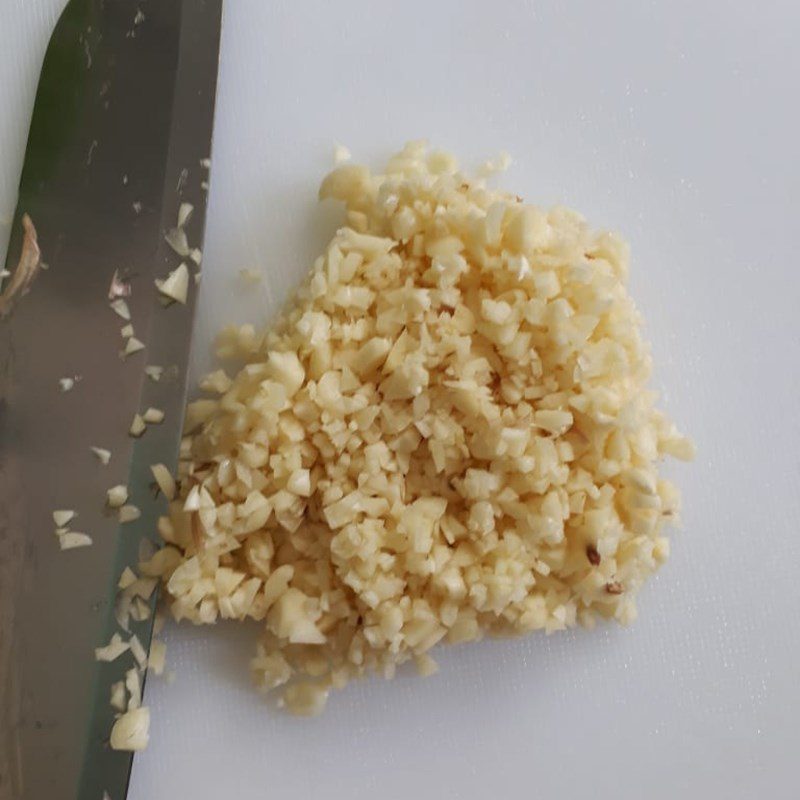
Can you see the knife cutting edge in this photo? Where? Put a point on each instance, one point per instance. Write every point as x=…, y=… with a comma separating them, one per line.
x=119, y=141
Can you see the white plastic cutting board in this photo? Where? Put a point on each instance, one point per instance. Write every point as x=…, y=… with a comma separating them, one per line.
x=675, y=122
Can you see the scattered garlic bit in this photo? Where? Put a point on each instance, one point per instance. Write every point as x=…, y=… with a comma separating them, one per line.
x=192, y=502
x=184, y=214
x=134, y=686
x=159, y=621
x=126, y=331
x=138, y=426
x=128, y=513
x=158, y=656
x=176, y=285
x=127, y=578
x=182, y=178
x=66, y=384
x=120, y=308
x=122, y=612
x=196, y=256
x=138, y=651
x=204, y=185
x=131, y=730
x=103, y=455
x=305, y=699
x=341, y=154
x=446, y=435
x=426, y=666
x=69, y=540
x=62, y=518
x=119, y=287
x=140, y=610
x=176, y=239
x=251, y=277
x=164, y=480
x=217, y=381
x=118, y=701
x=205, y=163
x=270, y=670
x=197, y=278
x=494, y=165
x=137, y=207
x=113, y=650
x=154, y=372
x=117, y=496
x=185, y=449
x=141, y=587
x=153, y=416
x=132, y=345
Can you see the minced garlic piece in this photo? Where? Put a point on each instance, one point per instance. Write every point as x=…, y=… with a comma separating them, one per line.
x=113, y=650
x=117, y=496
x=176, y=239
x=139, y=610
x=426, y=666
x=103, y=455
x=127, y=578
x=138, y=426
x=131, y=730
x=306, y=699
x=128, y=513
x=117, y=700
x=157, y=657
x=153, y=416
x=139, y=653
x=133, y=684
x=175, y=286
x=185, y=213
x=120, y=308
x=69, y=540
x=446, y=434
x=132, y=345
x=164, y=480
x=63, y=517
x=341, y=154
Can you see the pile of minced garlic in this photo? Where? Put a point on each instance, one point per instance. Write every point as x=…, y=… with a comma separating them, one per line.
x=445, y=434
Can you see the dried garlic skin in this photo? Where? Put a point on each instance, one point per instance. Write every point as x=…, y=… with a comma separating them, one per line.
x=446, y=434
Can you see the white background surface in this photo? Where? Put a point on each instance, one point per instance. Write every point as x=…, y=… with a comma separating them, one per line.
x=674, y=122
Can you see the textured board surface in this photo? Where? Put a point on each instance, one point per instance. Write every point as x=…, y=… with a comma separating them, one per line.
x=674, y=122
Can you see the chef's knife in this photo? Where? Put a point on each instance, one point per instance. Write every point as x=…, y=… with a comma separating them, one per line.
x=119, y=138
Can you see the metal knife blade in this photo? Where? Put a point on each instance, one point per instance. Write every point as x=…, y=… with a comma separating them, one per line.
x=123, y=119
